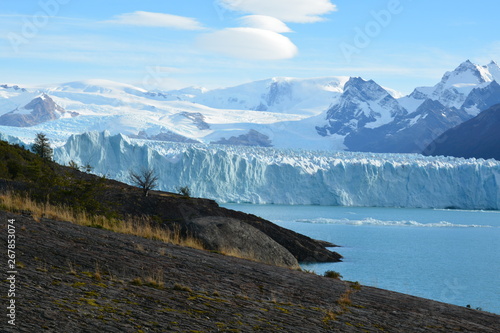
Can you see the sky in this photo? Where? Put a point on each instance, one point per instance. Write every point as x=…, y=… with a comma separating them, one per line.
x=159, y=44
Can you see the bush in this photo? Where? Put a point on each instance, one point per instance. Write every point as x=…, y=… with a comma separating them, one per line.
x=333, y=275
x=184, y=191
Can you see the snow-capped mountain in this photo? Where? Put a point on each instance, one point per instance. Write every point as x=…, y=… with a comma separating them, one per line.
x=409, y=133
x=338, y=113
x=455, y=86
x=363, y=104
x=282, y=95
x=379, y=123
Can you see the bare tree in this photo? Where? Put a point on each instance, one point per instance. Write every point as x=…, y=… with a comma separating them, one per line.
x=145, y=179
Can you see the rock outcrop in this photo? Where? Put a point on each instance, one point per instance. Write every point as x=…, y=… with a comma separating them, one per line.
x=39, y=110
x=243, y=240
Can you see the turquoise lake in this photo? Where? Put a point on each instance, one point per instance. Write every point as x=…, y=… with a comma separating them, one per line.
x=451, y=256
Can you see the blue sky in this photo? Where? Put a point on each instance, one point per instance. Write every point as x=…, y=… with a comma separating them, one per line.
x=157, y=44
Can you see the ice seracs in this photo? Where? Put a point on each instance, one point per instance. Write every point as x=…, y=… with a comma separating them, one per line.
x=269, y=175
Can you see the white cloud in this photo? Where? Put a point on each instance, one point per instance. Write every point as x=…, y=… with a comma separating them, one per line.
x=299, y=11
x=148, y=19
x=249, y=43
x=264, y=22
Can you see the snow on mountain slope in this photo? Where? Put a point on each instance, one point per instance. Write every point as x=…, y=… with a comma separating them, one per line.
x=97, y=86
x=317, y=113
x=494, y=70
x=39, y=110
x=455, y=86
x=119, y=108
x=268, y=175
x=13, y=97
x=363, y=104
x=282, y=95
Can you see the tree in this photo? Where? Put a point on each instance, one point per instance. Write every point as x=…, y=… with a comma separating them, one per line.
x=184, y=191
x=41, y=147
x=145, y=179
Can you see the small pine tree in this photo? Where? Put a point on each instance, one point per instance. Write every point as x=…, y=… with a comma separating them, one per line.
x=41, y=147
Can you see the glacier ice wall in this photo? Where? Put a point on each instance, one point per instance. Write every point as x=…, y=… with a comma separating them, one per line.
x=267, y=175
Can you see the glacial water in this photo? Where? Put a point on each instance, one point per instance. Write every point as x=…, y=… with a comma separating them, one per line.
x=451, y=256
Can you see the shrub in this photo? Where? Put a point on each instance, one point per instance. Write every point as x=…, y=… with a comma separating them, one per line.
x=333, y=275
x=184, y=191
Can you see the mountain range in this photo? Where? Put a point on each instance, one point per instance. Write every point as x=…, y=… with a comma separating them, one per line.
x=332, y=113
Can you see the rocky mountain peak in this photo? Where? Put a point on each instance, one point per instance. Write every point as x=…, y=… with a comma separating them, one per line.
x=467, y=73
x=278, y=91
x=365, y=90
x=39, y=110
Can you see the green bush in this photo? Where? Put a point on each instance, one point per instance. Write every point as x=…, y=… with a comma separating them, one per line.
x=333, y=275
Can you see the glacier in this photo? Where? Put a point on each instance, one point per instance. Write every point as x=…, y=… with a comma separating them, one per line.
x=294, y=177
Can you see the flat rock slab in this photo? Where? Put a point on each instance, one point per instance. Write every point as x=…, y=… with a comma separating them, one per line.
x=79, y=279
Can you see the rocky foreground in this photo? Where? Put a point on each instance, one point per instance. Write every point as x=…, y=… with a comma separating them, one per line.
x=80, y=279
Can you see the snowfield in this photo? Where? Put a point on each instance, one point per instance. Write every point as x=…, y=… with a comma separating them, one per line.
x=283, y=176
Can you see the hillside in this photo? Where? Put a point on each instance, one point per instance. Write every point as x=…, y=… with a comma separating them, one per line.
x=478, y=137
x=25, y=177
x=78, y=279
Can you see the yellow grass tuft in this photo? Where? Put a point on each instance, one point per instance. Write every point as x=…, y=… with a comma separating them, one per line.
x=238, y=253
x=138, y=226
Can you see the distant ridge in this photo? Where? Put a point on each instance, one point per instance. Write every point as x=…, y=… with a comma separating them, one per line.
x=478, y=137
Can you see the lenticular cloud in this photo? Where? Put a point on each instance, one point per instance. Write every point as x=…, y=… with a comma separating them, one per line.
x=264, y=22
x=249, y=43
x=298, y=11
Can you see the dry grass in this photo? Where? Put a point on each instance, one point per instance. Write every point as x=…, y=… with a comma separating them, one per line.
x=330, y=315
x=245, y=254
x=181, y=287
x=345, y=299
x=71, y=268
x=97, y=272
x=235, y=252
x=138, y=226
x=155, y=279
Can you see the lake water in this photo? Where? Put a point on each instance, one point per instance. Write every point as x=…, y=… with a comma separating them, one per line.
x=446, y=255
